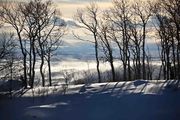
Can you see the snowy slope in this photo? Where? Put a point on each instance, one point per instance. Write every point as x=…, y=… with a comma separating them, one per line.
x=138, y=100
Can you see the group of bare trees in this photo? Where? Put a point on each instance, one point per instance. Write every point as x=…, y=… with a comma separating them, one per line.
x=7, y=54
x=7, y=51
x=35, y=28
x=167, y=13
x=124, y=25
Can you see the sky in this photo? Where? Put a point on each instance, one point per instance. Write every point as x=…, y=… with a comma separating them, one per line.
x=69, y=7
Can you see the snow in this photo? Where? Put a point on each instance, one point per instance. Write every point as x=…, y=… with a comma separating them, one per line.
x=131, y=100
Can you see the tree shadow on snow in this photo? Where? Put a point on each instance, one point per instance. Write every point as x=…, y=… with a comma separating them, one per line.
x=103, y=103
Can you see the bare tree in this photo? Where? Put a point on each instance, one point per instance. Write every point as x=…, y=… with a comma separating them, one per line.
x=7, y=45
x=143, y=10
x=11, y=14
x=168, y=15
x=106, y=39
x=51, y=45
x=89, y=18
x=120, y=15
x=7, y=48
x=30, y=32
x=43, y=20
x=136, y=47
x=35, y=24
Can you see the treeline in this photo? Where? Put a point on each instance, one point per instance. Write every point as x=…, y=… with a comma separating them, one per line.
x=36, y=29
x=124, y=25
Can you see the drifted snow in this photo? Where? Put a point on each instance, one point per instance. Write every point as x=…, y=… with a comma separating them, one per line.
x=136, y=100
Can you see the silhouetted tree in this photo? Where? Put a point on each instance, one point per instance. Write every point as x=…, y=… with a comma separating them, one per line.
x=51, y=45
x=106, y=38
x=143, y=9
x=168, y=15
x=120, y=15
x=35, y=23
x=11, y=14
x=89, y=18
x=7, y=48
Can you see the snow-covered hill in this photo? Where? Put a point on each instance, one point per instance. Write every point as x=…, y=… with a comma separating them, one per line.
x=136, y=100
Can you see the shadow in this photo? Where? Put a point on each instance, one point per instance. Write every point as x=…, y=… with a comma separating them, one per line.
x=11, y=88
x=114, y=87
x=139, y=82
x=104, y=86
x=103, y=104
x=143, y=88
x=20, y=92
x=121, y=88
x=82, y=89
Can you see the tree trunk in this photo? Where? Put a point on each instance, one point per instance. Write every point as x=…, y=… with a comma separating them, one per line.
x=49, y=69
x=41, y=71
x=33, y=65
x=24, y=60
x=97, y=59
x=112, y=69
x=144, y=51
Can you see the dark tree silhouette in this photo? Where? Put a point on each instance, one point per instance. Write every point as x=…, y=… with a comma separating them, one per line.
x=89, y=18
